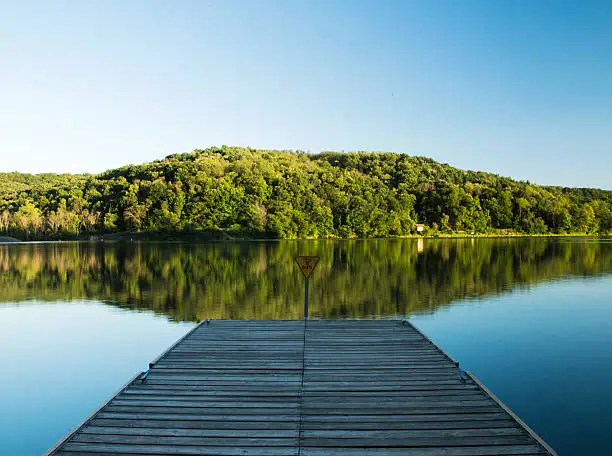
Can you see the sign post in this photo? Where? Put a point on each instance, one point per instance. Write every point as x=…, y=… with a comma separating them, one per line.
x=307, y=265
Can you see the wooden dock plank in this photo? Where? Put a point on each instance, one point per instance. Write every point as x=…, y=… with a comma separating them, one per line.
x=82, y=449
x=319, y=387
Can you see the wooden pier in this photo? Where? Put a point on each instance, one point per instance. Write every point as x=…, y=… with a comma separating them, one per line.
x=343, y=387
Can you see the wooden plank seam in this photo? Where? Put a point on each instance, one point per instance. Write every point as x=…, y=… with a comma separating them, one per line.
x=345, y=344
x=301, y=393
x=189, y=333
x=406, y=322
x=90, y=417
x=488, y=392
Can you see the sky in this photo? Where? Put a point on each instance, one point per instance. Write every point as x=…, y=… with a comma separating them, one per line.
x=517, y=88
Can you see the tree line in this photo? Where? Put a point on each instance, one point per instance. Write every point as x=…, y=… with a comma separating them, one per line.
x=287, y=194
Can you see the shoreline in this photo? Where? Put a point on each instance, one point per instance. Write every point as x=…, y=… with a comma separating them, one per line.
x=200, y=237
x=9, y=240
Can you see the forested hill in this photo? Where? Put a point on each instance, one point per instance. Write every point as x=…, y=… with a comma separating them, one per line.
x=267, y=193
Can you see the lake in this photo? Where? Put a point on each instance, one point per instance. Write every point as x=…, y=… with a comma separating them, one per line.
x=530, y=317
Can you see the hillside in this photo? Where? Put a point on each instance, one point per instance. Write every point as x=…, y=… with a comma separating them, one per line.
x=267, y=193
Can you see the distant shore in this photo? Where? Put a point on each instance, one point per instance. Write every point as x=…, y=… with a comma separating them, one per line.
x=8, y=239
x=224, y=236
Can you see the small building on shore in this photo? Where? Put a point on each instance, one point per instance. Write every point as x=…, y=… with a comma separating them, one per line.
x=419, y=227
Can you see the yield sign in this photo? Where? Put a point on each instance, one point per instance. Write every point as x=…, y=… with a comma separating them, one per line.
x=307, y=264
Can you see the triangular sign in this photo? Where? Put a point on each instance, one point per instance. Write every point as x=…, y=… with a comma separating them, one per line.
x=307, y=264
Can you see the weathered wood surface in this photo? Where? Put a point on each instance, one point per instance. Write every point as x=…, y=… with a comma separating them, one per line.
x=294, y=388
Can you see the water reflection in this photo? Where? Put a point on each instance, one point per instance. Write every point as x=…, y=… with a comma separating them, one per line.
x=244, y=280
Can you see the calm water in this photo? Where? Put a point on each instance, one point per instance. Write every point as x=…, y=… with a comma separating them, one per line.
x=532, y=318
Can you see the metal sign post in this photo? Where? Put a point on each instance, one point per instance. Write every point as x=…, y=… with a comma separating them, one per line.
x=306, y=299
x=307, y=265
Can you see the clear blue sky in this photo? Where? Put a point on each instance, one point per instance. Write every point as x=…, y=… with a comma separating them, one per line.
x=519, y=88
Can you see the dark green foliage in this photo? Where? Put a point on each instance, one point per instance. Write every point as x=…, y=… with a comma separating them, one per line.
x=293, y=195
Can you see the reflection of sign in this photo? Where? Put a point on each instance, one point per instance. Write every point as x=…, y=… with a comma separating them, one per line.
x=307, y=264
